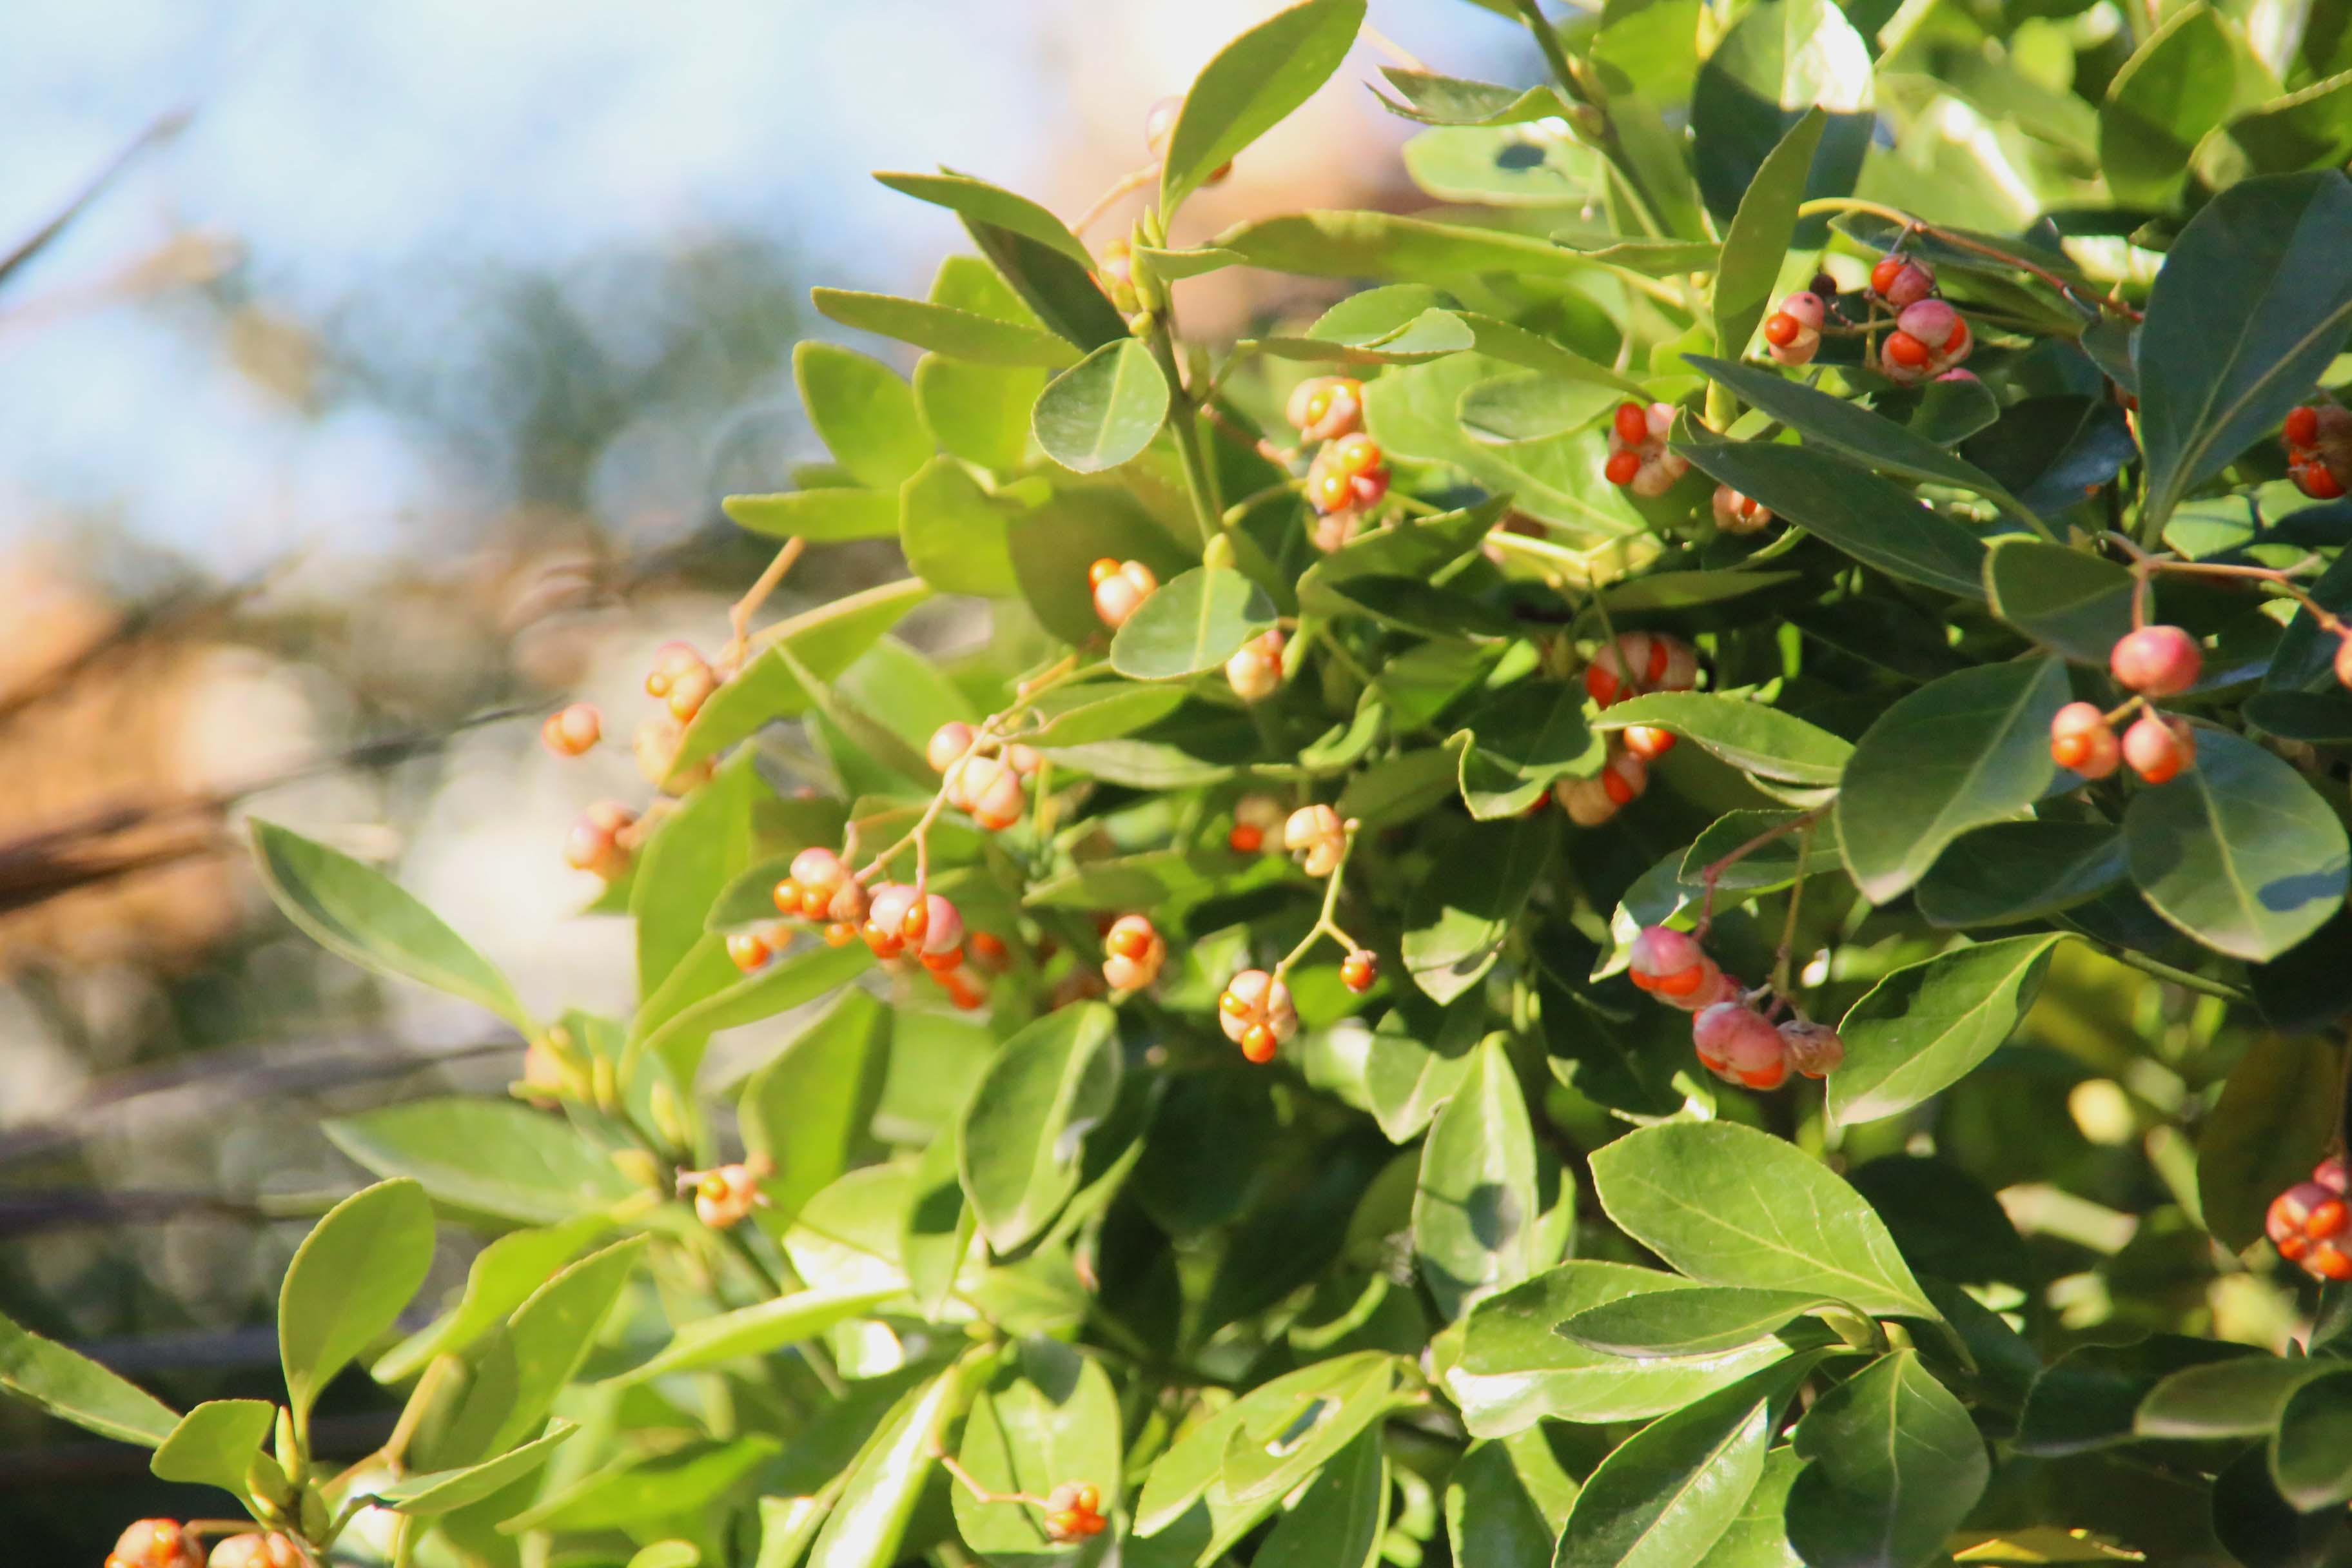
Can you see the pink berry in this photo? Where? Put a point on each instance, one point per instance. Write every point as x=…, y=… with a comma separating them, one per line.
x=2156, y=661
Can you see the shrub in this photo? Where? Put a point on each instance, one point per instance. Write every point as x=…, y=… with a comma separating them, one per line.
x=1434, y=990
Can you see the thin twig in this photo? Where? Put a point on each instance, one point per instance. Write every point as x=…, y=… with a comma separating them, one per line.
x=1133, y=180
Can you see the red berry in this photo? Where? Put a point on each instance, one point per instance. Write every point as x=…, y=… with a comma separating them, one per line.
x=2302, y=428
x=1101, y=569
x=2316, y=479
x=788, y=897
x=2156, y=661
x=2081, y=740
x=1359, y=969
x=1245, y=839
x=1647, y=743
x=1621, y=467
x=1781, y=329
x=1906, y=351
x=1258, y=1043
x=749, y=949
x=1633, y=423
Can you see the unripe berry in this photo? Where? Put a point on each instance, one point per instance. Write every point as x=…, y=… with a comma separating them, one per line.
x=1256, y=1014
x=602, y=840
x=1736, y=513
x=934, y=925
x=2309, y=1223
x=1134, y=951
x=818, y=869
x=254, y=1550
x=1813, y=1049
x=724, y=1195
x=749, y=949
x=155, y=1543
x=572, y=732
x=2156, y=661
x=992, y=792
x=1254, y=671
x=1646, y=742
x=2081, y=740
x=1360, y=970
x=1317, y=835
x=2159, y=748
x=1023, y=760
x=1740, y=1046
x=1658, y=474
x=1668, y=964
x=885, y=919
x=1901, y=282
x=1254, y=817
x=1637, y=662
x=948, y=744
x=1325, y=407
x=680, y=677
x=1119, y=591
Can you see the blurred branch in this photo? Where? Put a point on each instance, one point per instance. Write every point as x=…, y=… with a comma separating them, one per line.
x=159, y=130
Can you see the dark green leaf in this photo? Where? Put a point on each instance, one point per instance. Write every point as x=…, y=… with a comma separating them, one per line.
x=1251, y=86
x=991, y=204
x=1743, y=731
x=1707, y=1320
x=1191, y=625
x=1896, y=1466
x=1458, y=916
x=2069, y=600
x=1925, y=1027
x=2311, y=1457
x=1777, y=61
x=1478, y=1216
x=2013, y=871
x=2275, y=1120
x=1521, y=740
x=1022, y=1135
x=1852, y=510
x=1758, y=240
x=2307, y=129
x=2086, y=1399
x=2240, y=1398
x=2181, y=82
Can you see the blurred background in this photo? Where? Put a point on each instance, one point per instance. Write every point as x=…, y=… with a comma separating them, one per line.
x=369, y=377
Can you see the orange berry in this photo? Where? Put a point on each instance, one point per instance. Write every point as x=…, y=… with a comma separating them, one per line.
x=572, y=732
x=840, y=933
x=1621, y=467
x=1903, y=349
x=916, y=923
x=788, y=897
x=1781, y=329
x=1128, y=943
x=2317, y=480
x=1258, y=1043
x=1648, y=743
x=1101, y=569
x=1245, y=839
x=1359, y=969
x=2159, y=748
x=2080, y=739
x=749, y=949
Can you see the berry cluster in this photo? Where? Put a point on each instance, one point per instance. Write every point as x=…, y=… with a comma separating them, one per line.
x=1256, y=1014
x=896, y=920
x=1121, y=587
x=1317, y=835
x=1639, y=458
x=1627, y=665
x=1733, y=1041
x=1133, y=953
x=1736, y=513
x=156, y=1543
x=725, y=1196
x=254, y=1550
x=683, y=680
x=1074, y=1511
x=983, y=777
x=603, y=840
x=1348, y=474
x=2153, y=662
x=1792, y=335
x=2319, y=450
x=572, y=732
x=2309, y=1223
x=1929, y=337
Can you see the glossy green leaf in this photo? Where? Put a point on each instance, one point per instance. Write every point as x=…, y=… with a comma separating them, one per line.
x=1417, y=1057
x=1476, y=1212
x=810, y=1110
x=1758, y=240
x=1515, y=345
x=1191, y=625
x=1749, y=736
x=656, y=1484
x=2069, y=600
x=667, y=1554
x=2238, y=851
x=944, y=330
x=1390, y=249
x=939, y=1228
x=1519, y=741
x=1104, y=410
x=823, y=641
x=1195, y=1463
x=2248, y=310
x=980, y=412
x=2311, y=1455
x=2178, y=86
x=757, y=1331
x=2013, y=871
x=1926, y=1026
x=1777, y=61
x=2307, y=129
x=1758, y=1536
x=216, y=1444
x=1707, y=1320
x=862, y=411
x=1250, y=87
x=1852, y=510
x=991, y=204
x=1731, y=1205
x=492, y=1156
x=1668, y=1493
x=867, y=1524
x=1272, y=1451
x=1099, y=711
x=359, y=913
x=1971, y=748
x=1514, y=1367
x=2276, y=1119
x=2237, y=1398
x=819, y=516
x=348, y=1283
x=72, y=1388
x=693, y=853
x=1435, y=99
x=1492, y=1518
x=1049, y=1418
x=956, y=536
x=1457, y=917
x=1337, y=1522
x=1530, y=406
x=679, y=1024
x=1022, y=1136
x=445, y=1491
x=1152, y=880
x=1896, y=1466
x=503, y=1274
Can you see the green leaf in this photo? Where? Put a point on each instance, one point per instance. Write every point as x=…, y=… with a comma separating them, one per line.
x=1099, y=711
x=445, y=1491
x=1731, y=1205
x=959, y=334
x=819, y=516
x=2086, y=1399
x=1022, y=1135
x=1896, y=1466
x=2238, y=851
x=980, y=411
x=2013, y=871
x=655, y=1484
x=823, y=642
x=2069, y=600
x=1104, y=410
x=956, y=537
x=1154, y=879
x=72, y=1388
x=862, y=411
x=669, y=1555
x=1416, y=1059
x=2311, y=1457
x=2275, y=1120
x=1493, y=1516
x=1049, y=1418
x=216, y=1444
x=757, y=1331
x=1515, y=345
x=1250, y=87
x=991, y=204
x=1926, y=1026
x=696, y=849
x=1337, y=1522
x=1518, y=742
x=1393, y=250
x=1758, y=241
x=492, y=1156
x=1971, y=748
x=2247, y=312
x=1477, y=1215
x=2307, y=129
x=359, y=913
x=1702, y=1322
x=678, y=1028
x=1849, y=429
x=869, y=1521
x=1515, y=1368
x=1667, y=1494
x=1435, y=99
x=1759, y=1536
x=810, y=1110
x=1191, y=625
x=1194, y=1464
x=1457, y=917
x=502, y=1275
x=1778, y=60
x=1530, y=406
x=939, y=1225
x=348, y=1283
x=1743, y=731
x=2238, y=1398
x=1850, y=508
x=2179, y=85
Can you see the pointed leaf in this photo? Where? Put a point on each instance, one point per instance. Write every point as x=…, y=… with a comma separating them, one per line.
x=959, y=334
x=1104, y=410
x=2178, y=86
x=818, y=516
x=991, y=204
x=348, y=1283
x=1748, y=734
x=1251, y=86
x=1756, y=243
x=1049, y=1418
x=1703, y=1322
x=810, y=1110
x=1476, y=1207
x=2276, y=1119
x=2069, y=600
x=823, y=642
x=2013, y=871
x=1191, y=625
x=862, y=411
x=72, y=1388
x=956, y=537
x=1925, y=1027
x=1850, y=508
x=216, y=1444
x=868, y=1522
x=757, y=1331
x=493, y=1156
x=1337, y=1522
x=445, y=1491
x=1896, y=1466
x=1023, y=1135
